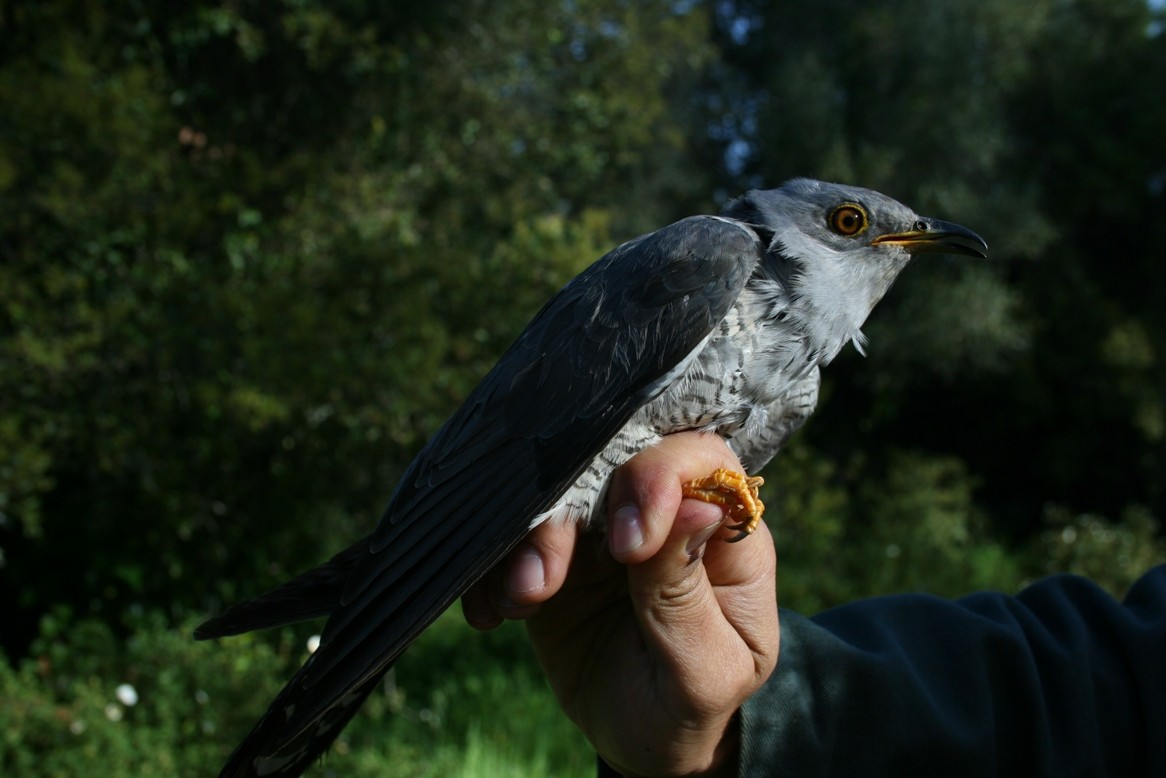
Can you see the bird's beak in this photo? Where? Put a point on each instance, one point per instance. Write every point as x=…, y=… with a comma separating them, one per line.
x=932, y=236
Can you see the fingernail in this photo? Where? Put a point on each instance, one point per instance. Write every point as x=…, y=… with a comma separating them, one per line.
x=695, y=546
x=627, y=529
x=526, y=572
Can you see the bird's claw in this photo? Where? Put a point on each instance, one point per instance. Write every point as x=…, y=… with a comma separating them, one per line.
x=732, y=490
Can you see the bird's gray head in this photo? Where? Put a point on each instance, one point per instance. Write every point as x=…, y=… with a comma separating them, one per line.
x=843, y=246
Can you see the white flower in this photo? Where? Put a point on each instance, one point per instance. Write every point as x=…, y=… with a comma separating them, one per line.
x=313, y=643
x=113, y=712
x=127, y=695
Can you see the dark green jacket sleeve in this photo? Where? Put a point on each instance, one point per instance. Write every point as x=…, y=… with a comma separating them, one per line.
x=1060, y=680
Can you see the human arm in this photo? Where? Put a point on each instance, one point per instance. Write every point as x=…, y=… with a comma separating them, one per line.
x=1060, y=679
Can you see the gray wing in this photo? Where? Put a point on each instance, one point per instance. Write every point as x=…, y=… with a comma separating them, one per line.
x=597, y=351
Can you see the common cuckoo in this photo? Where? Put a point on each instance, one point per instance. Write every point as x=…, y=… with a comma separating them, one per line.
x=714, y=323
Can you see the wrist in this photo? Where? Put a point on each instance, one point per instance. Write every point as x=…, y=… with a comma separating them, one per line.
x=726, y=753
x=719, y=758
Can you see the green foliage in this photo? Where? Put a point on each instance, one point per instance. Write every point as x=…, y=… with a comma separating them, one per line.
x=923, y=519
x=905, y=524
x=1033, y=123
x=65, y=712
x=254, y=255
x=159, y=705
x=1111, y=553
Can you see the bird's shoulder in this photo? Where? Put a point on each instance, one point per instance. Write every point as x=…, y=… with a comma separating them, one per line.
x=598, y=347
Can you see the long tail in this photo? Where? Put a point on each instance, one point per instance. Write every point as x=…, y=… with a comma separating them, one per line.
x=309, y=595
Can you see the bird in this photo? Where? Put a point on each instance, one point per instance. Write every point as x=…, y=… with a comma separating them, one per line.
x=717, y=323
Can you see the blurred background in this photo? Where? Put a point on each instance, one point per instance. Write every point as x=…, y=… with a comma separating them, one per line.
x=252, y=254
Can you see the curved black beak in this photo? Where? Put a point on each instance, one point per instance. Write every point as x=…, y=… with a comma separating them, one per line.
x=934, y=236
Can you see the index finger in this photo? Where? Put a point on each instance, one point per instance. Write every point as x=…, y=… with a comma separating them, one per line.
x=645, y=497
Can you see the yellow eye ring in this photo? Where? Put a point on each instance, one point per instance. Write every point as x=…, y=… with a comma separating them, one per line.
x=848, y=220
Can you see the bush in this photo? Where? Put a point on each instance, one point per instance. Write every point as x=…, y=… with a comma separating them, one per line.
x=157, y=703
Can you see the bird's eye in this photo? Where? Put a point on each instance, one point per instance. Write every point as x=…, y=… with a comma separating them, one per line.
x=848, y=220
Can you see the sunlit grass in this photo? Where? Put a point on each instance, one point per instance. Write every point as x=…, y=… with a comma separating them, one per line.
x=469, y=704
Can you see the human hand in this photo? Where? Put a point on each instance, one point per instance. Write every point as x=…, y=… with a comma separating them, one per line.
x=654, y=634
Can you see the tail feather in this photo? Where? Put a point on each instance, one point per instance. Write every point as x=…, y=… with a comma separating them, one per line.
x=254, y=758
x=309, y=595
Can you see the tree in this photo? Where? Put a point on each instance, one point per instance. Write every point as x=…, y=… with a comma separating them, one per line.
x=1031, y=379
x=254, y=254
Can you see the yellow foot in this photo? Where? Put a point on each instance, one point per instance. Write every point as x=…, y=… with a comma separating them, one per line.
x=734, y=491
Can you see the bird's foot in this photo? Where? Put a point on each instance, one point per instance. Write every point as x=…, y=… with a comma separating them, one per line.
x=732, y=490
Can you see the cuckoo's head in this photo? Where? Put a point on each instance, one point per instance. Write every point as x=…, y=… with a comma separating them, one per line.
x=847, y=244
